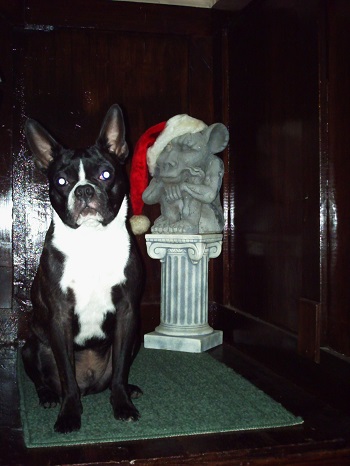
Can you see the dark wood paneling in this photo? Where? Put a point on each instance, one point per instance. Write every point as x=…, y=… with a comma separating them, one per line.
x=12, y=11
x=8, y=320
x=220, y=284
x=6, y=92
x=275, y=160
x=276, y=349
x=309, y=335
x=339, y=182
x=122, y=16
x=324, y=169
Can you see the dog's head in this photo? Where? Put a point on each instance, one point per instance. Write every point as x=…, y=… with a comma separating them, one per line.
x=87, y=186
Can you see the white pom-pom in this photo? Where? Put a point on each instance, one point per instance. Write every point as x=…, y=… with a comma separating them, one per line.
x=139, y=224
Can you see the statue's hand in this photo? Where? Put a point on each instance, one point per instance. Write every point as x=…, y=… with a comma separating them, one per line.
x=153, y=192
x=173, y=192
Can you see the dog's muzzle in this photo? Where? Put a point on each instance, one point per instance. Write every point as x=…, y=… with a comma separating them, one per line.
x=85, y=204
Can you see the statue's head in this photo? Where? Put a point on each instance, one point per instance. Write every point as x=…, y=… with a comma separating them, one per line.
x=179, y=154
x=190, y=151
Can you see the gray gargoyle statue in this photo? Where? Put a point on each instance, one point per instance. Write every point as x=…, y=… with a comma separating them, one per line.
x=187, y=181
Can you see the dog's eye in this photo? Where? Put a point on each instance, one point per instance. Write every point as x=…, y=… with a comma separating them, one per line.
x=62, y=181
x=105, y=175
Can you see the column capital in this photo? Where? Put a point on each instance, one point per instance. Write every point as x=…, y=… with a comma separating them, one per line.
x=159, y=245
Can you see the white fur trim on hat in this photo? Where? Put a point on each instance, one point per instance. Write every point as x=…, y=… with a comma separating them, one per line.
x=175, y=126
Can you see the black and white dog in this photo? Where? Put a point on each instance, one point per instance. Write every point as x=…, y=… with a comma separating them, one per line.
x=86, y=293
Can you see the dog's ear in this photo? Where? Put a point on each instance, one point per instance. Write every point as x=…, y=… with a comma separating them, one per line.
x=40, y=143
x=112, y=134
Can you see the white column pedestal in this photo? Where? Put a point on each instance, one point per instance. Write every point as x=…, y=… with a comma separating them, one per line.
x=184, y=291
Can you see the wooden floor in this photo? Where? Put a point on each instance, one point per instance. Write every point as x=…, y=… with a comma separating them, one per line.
x=323, y=439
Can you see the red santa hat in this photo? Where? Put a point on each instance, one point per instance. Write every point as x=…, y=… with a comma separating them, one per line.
x=146, y=153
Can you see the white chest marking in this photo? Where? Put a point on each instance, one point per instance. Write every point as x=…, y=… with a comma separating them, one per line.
x=95, y=260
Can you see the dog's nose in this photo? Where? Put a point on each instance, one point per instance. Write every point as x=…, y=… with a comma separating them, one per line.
x=85, y=191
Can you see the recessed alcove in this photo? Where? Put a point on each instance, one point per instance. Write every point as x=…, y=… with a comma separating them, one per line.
x=276, y=72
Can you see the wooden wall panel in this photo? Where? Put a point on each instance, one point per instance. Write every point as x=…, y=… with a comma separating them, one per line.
x=339, y=178
x=275, y=160
x=122, y=16
x=8, y=320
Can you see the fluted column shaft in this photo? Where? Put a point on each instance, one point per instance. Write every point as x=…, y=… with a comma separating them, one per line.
x=184, y=282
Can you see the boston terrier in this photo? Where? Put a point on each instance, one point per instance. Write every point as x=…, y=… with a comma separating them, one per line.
x=86, y=292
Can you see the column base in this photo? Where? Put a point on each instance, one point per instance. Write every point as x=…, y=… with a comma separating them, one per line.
x=190, y=344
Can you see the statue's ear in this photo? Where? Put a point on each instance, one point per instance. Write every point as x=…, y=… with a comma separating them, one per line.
x=218, y=137
x=112, y=134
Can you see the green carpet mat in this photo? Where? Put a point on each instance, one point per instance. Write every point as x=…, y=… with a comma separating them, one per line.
x=184, y=394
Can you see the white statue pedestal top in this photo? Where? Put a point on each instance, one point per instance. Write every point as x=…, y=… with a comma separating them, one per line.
x=184, y=291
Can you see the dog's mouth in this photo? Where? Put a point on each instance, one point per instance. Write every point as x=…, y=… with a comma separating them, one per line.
x=87, y=211
x=88, y=215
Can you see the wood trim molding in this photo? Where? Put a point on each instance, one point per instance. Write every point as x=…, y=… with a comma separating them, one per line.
x=192, y=3
x=277, y=350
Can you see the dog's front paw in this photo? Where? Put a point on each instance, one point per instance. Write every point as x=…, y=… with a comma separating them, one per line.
x=67, y=423
x=48, y=398
x=123, y=408
x=126, y=412
x=69, y=418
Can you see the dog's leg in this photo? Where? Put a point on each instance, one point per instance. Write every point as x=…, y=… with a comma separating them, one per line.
x=69, y=418
x=123, y=347
x=40, y=366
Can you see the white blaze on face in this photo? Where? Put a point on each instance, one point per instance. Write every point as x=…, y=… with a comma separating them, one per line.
x=81, y=181
x=82, y=176
x=74, y=205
